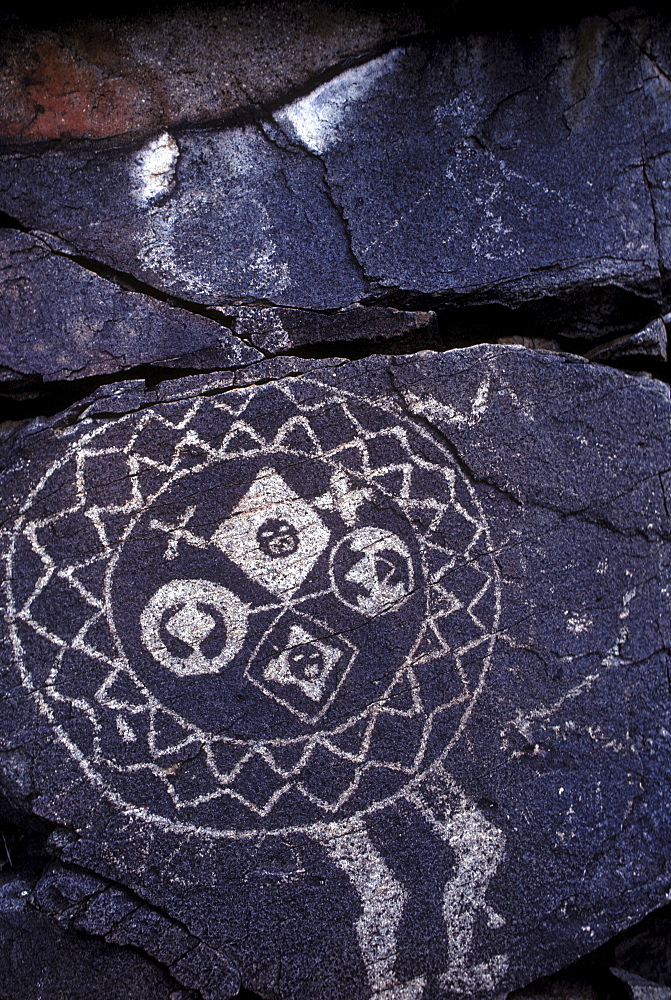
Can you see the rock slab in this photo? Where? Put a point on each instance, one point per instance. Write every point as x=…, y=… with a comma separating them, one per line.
x=97, y=78
x=535, y=170
x=61, y=320
x=42, y=956
x=375, y=656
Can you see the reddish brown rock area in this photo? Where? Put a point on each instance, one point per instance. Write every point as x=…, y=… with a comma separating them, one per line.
x=50, y=91
x=96, y=79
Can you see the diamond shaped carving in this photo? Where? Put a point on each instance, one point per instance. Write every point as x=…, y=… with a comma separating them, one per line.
x=273, y=535
x=300, y=665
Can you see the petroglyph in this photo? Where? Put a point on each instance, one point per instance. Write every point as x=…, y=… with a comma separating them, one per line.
x=268, y=590
x=267, y=627
x=382, y=899
x=478, y=846
x=153, y=170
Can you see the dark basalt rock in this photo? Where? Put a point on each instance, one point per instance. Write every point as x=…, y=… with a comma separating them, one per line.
x=60, y=320
x=532, y=170
x=215, y=216
x=42, y=956
x=282, y=330
x=351, y=681
x=319, y=677
x=650, y=342
x=517, y=177
x=642, y=989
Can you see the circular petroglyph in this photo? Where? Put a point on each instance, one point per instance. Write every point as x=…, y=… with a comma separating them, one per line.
x=254, y=611
x=193, y=626
x=372, y=570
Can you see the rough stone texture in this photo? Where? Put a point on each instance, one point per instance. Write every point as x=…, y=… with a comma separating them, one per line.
x=332, y=678
x=280, y=330
x=533, y=343
x=651, y=34
x=646, y=950
x=60, y=321
x=650, y=342
x=357, y=677
x=642, y=989
x=42, y=957
x=521, y=158
x=532, y=170
x=106, y=77
x=556, y=988
x=215, y=216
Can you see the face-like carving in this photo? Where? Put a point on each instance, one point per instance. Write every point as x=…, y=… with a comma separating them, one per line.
x=305, y=663
x=277, y=538
x=283, y=581
x=372, y=570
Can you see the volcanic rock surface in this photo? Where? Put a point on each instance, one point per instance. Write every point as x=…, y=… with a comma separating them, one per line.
x=335, y=551
x=381, y=670
x=534, y=168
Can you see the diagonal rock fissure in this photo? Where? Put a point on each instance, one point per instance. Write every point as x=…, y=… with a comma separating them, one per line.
x=270, y=127
x=335, y=549
x=55, y=245
x=24, y=398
